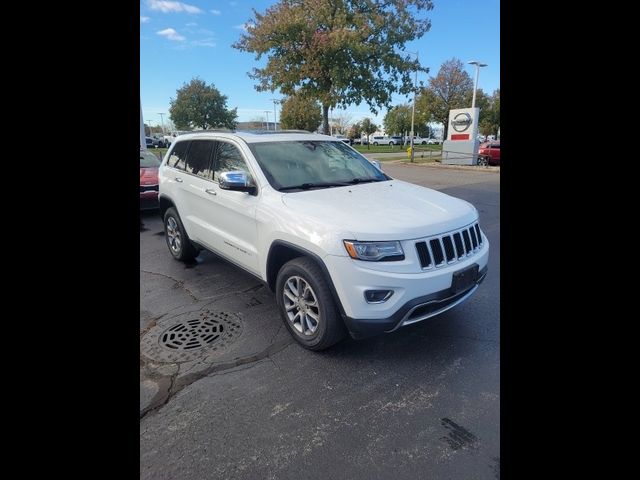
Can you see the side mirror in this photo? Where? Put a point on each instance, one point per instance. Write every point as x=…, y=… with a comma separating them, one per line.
x=376, y=164
x=237, y=181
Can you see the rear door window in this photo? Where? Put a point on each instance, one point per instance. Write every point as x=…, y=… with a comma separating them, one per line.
x=179, y=155
x=199, y=158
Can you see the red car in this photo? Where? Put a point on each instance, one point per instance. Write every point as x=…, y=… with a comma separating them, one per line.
x=489, y=153
x=149, y=164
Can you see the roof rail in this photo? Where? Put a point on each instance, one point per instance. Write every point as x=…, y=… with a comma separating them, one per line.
x=271, y=132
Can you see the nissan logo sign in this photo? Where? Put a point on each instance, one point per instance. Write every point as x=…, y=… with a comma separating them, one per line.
x=461, y=122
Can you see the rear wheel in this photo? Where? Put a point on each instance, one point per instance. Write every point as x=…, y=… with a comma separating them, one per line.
x=306, y=305
x=176, y=236
x=375, y=144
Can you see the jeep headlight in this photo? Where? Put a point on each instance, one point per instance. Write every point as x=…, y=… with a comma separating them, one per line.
x=374, y=251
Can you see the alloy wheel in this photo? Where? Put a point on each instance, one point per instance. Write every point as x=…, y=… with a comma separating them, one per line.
x=301, y=305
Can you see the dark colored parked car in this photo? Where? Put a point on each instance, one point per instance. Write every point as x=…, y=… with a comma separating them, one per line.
x=489, y=153
x=149, y=164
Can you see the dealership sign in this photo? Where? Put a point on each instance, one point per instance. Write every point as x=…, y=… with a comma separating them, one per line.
x=461, y=144
x=461, y=124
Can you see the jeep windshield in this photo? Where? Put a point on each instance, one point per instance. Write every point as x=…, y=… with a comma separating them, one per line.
x=304, y=165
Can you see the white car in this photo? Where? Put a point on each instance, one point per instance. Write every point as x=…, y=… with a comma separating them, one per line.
x=345, y=247
x=386, y=140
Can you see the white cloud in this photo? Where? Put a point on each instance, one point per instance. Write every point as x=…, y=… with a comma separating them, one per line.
x=245, y=26
x=215, y=12
x=168, y=6
x=207, y=42
x=171, y=34
x=144, y=19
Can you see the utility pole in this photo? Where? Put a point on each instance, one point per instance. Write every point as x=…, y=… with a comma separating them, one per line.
x=275, y=124
x=267, y=112
x=143, y=141
x=162, y=120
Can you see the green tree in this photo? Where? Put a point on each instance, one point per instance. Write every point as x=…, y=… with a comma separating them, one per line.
x=492, y=120
x=355, y=131
x=338, y=52
x=398, y=120
x=448, y=90
x=300, y=113
x=198, y=105
x=368, y=127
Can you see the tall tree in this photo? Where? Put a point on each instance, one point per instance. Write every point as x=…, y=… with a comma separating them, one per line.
x=368, y=127
x=198, y=105
x=448, y=90
x=398, y=120
x=337, y=51
x=341, y=122
x=300, y=113
x=490, y=116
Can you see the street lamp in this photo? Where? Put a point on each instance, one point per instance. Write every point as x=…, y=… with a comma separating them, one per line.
x=162, y=120
x=475, y=84
x=275, y=124
x=413, y=108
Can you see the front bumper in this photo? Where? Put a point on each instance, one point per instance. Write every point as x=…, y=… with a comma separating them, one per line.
x=416, y=296
x=413, y=311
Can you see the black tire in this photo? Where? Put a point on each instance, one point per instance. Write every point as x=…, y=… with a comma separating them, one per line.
x=375, y=144
x=482, y=161
x=330, y=328
x=185, y=251
x=391, y=144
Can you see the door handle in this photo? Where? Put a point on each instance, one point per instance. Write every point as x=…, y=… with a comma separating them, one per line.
x=210, y=192
x=178, y=179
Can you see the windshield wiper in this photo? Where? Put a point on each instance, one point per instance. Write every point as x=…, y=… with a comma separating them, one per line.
x=363, y=180
x=307, y=186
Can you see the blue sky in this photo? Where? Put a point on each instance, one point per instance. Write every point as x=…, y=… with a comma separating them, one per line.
x=182, y=40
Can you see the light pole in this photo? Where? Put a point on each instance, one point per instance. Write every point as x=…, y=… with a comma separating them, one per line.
x=475, y=84
x=162, y=121
x=274, y=100
x=267, y=112
x=413, y=108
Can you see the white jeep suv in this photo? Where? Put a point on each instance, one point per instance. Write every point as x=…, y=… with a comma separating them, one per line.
x=345, y=247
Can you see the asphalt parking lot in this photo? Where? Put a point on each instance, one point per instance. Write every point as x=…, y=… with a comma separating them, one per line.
x=422, y=402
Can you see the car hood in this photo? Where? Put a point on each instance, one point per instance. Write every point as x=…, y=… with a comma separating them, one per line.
x=149, y=176
x=389, y=210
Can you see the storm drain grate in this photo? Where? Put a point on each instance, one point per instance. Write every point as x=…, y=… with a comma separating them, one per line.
x=188, y=338
x=192, y=334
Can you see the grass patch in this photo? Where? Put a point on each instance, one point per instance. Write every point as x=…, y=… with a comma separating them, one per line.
x=395, y=148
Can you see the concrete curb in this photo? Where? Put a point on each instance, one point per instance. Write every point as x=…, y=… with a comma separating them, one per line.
x=474, y=168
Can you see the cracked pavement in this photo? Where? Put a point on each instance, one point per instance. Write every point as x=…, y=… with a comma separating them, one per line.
x=422, y=402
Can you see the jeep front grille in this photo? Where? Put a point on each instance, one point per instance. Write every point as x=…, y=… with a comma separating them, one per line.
x=452, y=247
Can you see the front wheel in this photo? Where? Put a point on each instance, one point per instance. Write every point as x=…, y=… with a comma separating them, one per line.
x=306, y=305
x=375, y=144
x=482, y=161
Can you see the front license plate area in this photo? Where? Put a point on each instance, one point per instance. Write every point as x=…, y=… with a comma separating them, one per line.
x=465, y=278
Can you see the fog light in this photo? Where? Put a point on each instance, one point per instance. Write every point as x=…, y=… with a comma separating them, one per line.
x=377, y=296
